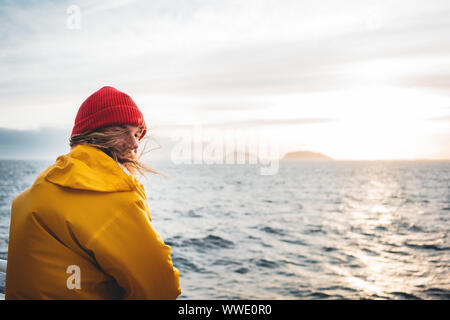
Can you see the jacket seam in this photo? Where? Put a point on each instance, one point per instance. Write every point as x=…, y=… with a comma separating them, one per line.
x=107, y=224
x=103, y=227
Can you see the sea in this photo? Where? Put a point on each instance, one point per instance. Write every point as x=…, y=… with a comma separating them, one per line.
x=314, y=230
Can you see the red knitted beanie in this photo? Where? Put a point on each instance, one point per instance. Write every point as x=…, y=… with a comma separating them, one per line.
x=105, y=107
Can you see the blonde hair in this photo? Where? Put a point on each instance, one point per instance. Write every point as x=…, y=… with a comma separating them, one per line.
x=111, y=140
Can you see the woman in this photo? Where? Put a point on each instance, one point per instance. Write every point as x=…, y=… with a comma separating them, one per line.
x=83, y=229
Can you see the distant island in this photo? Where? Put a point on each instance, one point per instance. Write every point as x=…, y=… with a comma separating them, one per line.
x=305, y=156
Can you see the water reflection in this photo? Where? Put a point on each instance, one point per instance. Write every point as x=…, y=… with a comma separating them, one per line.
x=386, y=267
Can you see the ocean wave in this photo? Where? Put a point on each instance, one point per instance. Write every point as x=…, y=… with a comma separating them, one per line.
x=437, y=293
x=403, y=253
x=425, y=246
x=321, y=295
x=242, y=270
x=415, y=228
x=292, y=262
x=295, y=292
x=273, y=230
x=225, y=262
x=370, y=252
x=329, y=249
x=193, y=214
x=295, y=241
x=265, y=263
x=185, y=265
x=208, y=242
x=405, y=295
x=315, y=229
x=336, y=288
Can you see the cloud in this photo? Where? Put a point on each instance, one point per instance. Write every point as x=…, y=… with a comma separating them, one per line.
x=106, y=6
x=250, y=123
x=213, y=47
x=442, y=118
x=438, y=82
x=45, y=143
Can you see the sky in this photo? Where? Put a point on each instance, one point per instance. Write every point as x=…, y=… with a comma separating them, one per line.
x=358, y=80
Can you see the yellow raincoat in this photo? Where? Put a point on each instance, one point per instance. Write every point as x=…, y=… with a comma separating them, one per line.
x=83, y=231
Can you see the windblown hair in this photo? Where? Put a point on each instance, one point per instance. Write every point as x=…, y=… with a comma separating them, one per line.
x=112, y=141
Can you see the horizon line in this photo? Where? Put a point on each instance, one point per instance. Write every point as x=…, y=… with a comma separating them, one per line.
x=281, y=159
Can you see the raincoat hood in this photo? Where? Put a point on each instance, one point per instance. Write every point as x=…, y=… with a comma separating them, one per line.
x=89, y=168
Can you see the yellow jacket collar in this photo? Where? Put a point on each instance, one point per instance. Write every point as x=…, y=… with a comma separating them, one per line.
x=89, y=168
